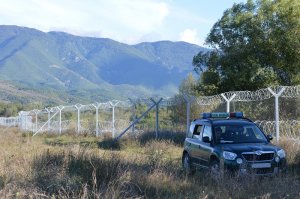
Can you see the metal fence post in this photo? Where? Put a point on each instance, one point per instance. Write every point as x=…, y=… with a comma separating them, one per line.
x=60, y=108
x=97, y=125
x=36, y=112
x=26, y=118
x=228, y=101
x=113, y=105
x=113, y=121
x=23, y=120
x=277, y=95
x=133, y=112
x=78, y=107
x=157, y=115
x=48, y=110
x=97, y=106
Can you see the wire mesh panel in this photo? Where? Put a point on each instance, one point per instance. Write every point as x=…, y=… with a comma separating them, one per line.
x=288, y=129
x=172, y=115
x=84, y=119
x=264, y=106
x=260, y=106
x=135, y=107
x=122, y=119
x=9, y=121
x=105, y=119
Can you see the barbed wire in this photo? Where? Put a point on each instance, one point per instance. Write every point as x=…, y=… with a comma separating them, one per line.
x=288, y=128
x=237, y=96
x=247, y=96
x=240, y=96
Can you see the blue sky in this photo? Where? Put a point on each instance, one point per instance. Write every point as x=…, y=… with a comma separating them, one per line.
x=128, y=21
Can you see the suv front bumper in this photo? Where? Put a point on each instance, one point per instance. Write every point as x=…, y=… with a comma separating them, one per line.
x=255, y=167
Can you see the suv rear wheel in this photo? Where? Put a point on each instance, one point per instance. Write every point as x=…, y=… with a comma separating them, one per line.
x=186, y=163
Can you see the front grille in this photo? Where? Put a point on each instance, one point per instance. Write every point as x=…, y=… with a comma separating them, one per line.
x=254, y=157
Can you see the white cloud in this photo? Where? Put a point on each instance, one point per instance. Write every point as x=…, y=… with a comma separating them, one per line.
x=190, y=36
x=120, y=20
x=129, y=21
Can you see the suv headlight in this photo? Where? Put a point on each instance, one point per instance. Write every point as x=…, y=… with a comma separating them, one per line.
x=229, y=155
x=281, y=153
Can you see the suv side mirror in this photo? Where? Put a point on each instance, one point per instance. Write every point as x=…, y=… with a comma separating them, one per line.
x=206, y=139
x=270, y=137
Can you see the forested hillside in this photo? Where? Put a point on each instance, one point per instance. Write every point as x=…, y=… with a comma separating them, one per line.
x=87, y=66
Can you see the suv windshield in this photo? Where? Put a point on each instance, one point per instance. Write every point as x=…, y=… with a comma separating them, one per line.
x=238, y=133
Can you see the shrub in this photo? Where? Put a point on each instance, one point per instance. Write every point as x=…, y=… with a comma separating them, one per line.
x=175, y=137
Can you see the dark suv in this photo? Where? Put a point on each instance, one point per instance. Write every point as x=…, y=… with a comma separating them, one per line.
x=230, y=142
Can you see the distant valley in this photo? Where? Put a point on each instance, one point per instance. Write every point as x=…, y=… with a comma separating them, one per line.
x=58, y=67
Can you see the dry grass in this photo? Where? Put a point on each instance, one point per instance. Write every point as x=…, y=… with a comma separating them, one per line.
x=87, y=167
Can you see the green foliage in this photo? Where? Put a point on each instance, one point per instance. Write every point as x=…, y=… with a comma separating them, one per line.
x=209, y=82
x=8, y=110
x=12, y=109
x=178, y=107
x=176, y=138
x=109, y=143
x=187, y=85
x=255, y=45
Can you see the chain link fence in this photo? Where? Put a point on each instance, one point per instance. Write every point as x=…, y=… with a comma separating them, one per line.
x=275, y=110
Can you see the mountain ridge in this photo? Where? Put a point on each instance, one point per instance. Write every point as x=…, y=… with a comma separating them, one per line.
x=68, y=63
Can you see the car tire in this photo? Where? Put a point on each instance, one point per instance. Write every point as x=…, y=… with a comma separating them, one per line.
x=215, y=170
x=186, y=164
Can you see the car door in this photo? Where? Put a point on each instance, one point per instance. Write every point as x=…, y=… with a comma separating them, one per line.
x=194, y=143
x=200, y=150
x=204, y=149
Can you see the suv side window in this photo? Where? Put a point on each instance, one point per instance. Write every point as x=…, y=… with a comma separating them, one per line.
x=197, y=131
x=207, y=132
x=191, y=130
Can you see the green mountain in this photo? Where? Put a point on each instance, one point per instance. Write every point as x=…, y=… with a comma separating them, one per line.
x=91, y=68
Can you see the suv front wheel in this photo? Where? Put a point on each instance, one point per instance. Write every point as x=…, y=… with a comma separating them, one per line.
x=215, y=167
x=215, y=170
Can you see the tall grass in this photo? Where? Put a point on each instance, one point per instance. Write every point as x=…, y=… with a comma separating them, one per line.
x=89, y=167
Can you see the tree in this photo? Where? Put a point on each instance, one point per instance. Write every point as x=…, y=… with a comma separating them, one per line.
x=178, y=107
x=254, y=45
x=187, y=86
x=9, y=109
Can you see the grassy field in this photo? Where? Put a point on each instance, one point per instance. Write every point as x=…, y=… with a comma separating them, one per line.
x=49, y=166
